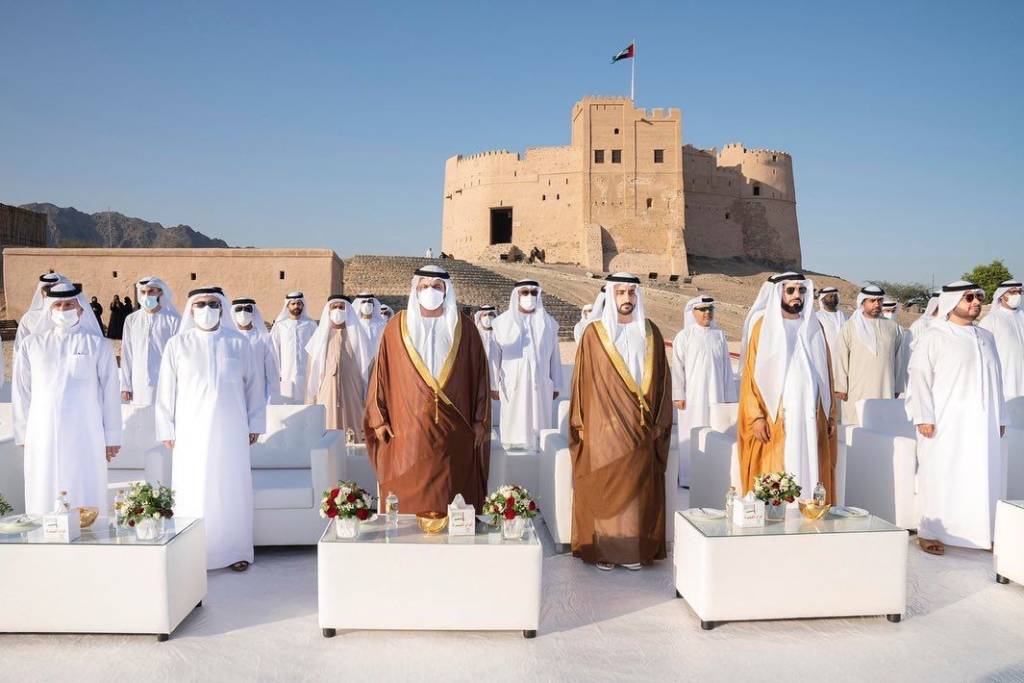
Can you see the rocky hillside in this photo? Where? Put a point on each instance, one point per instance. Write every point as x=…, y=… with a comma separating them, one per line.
x=69, y=227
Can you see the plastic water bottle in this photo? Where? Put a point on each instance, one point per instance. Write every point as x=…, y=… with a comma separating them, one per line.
x=819, y=494
x=391, y=508
x=61, y=504
x=730, y=501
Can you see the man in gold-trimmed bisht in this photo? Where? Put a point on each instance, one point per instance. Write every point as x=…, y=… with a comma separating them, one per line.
x=620, y=426
x=428, y=406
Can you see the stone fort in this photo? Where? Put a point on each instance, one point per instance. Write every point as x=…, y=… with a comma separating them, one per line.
x=626, y=194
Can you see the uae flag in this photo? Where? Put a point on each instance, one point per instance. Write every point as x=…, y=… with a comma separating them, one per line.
x=626, y=53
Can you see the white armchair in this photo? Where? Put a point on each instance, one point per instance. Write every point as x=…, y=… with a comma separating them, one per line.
x=142, y=457
x=12, y=462
x=714, y=458
x=1014, y=445
x=292, y=465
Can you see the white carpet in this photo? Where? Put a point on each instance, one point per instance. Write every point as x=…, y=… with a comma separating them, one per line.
x=959, y=626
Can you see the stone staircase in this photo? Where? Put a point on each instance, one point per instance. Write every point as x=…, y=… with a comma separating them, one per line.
x=389, y=276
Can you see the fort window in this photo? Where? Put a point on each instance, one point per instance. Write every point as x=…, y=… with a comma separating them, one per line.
x=616, y=131
x=543, y=197
x=115, y=273
x=280, y=275
x=192, y=276
x=659, y=156
x=598, y=156
x=650, y=202
x=558, y=196
x=757, y=190
x=616, y=156
x=773, y=157
x=726, y=215
x=501, y=225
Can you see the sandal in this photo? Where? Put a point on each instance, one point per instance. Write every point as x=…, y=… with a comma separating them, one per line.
x=931, y=547
x=605, y=566
x=240, y=566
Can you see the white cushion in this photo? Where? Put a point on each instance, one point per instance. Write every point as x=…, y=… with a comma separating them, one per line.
x=886, y=415
x=138, y=436
x=282, y=489
x=292, y=431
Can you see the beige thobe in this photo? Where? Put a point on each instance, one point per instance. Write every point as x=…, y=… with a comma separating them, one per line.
x=862, y=374
x=341, y=389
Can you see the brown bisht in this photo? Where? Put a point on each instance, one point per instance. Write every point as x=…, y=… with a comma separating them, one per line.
x=619, y=438
x=432, y=455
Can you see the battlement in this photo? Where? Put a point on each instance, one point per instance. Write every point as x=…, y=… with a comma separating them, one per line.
x=738, y=146
x=655, y=114
x=490, y=153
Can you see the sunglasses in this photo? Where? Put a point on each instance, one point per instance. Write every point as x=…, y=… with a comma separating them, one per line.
x=205, y=304
x=794, y=290
x=704, y=309
x=527, y=292
x=243, y=307
x=969, y=297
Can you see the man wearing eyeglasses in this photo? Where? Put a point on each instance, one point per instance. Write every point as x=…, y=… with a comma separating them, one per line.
x=1005, y=320
x=867, y=355
x=210, y=408
x=786, y=416
x=531, y=367
x=249, y=322
x=956, y=403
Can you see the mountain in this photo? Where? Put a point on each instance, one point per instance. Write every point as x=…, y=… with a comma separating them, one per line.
x=69, y=227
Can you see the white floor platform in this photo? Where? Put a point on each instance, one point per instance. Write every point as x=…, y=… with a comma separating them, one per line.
x=622, y=626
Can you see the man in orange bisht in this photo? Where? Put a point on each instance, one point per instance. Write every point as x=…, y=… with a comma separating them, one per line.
x=428, y=406
x=620, y=426
x=786, y=419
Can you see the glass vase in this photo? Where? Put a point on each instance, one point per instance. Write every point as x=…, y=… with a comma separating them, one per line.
x=775, y=513
x=148, y=529
x=346, y=527
x=512, y=529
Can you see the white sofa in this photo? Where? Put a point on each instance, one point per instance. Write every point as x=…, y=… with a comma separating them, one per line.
x=714, y=458
x=142, y=457
x=1014, y=443
x=12, y=462
x=293, y=463
x=555, y=482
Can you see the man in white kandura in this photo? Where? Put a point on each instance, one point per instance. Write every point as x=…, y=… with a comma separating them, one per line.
x=35, y=312
x=829, y=315
x=1005, y=320
x=867, y=355
x=484, y=321
x=145, y=335
x=956, y=403
x=702, y=374
x=531, y=367
x=210, y=408
x=337, y=359
x=919, y=326
x=369, y=317
x=585, y=314
x=386, y=312
x=891, y=311
x=67, y=412
x=249, y=322
x=292, y=330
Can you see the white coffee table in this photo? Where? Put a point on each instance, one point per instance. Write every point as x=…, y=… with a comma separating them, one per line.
x=403, y=579
x=106, y=581
x=1008, y=551
x=790, y=569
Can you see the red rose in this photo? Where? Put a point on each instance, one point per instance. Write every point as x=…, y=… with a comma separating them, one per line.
x=362, y=513
x=334, y=493
x=351, y=498
x=789, y=499
x=510, y=502
x=533, y=506
x=131, y=522
x=332, y=512
x=510, y=514
x=776, y=502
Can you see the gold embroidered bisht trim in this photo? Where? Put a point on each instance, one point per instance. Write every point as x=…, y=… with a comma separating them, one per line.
x=421, y=367
x=620, y=367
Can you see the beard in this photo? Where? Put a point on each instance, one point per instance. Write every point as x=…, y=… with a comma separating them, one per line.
x=625, y=309
x=795, y=307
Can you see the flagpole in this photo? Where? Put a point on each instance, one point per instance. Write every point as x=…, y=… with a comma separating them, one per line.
x=632, y=72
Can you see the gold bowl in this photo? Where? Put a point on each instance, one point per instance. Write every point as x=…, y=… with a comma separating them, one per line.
x=812, y=510
x=87, y=515
x=432, y=522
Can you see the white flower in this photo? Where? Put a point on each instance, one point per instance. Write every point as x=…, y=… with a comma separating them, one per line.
x=156, y=515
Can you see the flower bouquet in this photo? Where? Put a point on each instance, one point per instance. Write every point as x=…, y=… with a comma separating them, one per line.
x=145, y=507
x=510, y=505
x=348, y=505
x=776, y=489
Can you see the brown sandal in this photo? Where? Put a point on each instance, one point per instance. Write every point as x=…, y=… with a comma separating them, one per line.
x=240, y=566
x=931, y=547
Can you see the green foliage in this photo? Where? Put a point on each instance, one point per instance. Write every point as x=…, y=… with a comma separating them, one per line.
x=5, y=507
x=988, y=277
x=903, y=291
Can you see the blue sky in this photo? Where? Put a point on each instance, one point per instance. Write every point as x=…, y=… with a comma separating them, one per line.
x=285, y=124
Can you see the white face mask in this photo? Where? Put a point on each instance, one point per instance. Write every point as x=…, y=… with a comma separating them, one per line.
x=1013, y=300
x=150, y=302
x=887, y=315
x=486, y=321
x=528, y=303
x=430, y=298
x=206, y=318
x=64, y=319
x=243, y=318
x=337, y=315
x=366, y=308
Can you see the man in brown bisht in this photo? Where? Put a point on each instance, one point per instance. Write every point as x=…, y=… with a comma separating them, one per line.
x=338, y=353
x=620, y=426
x=786, y=416
x=428, y=407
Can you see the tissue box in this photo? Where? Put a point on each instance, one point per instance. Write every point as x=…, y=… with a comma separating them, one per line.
x=461, y=518
x=61, y=527
x=748, y=512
